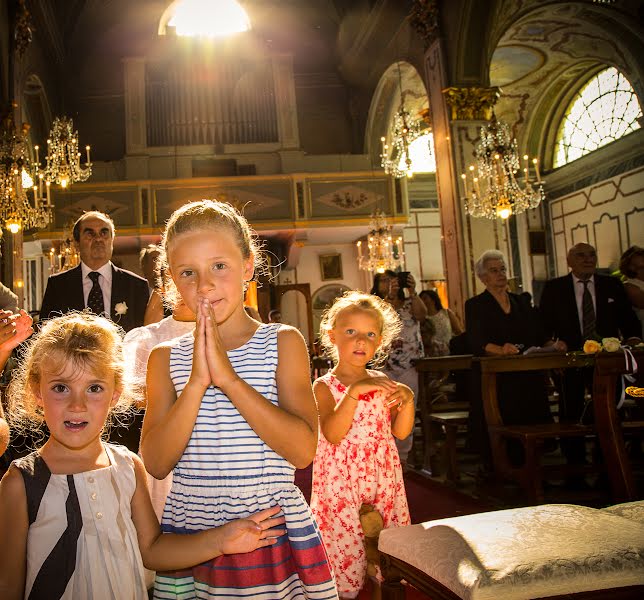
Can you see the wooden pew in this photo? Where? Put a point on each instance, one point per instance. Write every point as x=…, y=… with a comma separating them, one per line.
x=431, y=373
x=608, y=368
x=529, y=475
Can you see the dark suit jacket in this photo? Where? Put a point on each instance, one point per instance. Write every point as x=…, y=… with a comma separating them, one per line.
x=65, y=293
x=613, y=313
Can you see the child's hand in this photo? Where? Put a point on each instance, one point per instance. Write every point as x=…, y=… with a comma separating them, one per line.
x=200, y=373
x=256, y=531
x=219, y=367
x=400, y=398
x=370, y=383
x=14, y=329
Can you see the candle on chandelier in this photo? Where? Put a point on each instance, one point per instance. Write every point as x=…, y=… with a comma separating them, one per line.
x=36, y=148
x=464, y=178
x=51, y=259
x=48, y=185
x=87, y=148
x=525, y=170
x=535, y=162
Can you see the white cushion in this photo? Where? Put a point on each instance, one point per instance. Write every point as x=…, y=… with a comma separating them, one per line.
x=524, y=553
x=629, y=510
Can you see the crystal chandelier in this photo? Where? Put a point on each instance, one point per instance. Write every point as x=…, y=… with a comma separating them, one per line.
x=66, y=257
x=494, y=188
x=395, y=158
x=63, y=158
x=384, y=252
x=21, y=184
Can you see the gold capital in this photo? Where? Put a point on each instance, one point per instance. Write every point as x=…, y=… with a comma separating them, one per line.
x=471, y=103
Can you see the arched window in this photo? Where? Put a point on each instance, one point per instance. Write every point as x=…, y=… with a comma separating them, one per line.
x=604, y=110
x=421, y=152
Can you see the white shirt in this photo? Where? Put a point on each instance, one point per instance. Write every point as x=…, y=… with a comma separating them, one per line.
x=579, y=294
x=104, y=280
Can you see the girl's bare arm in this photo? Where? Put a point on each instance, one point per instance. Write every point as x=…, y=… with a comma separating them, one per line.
x=335, y=419
x=403, y=411
x=14, y=525
x=169, y=420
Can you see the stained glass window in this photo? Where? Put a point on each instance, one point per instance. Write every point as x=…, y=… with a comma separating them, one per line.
x=604, y=110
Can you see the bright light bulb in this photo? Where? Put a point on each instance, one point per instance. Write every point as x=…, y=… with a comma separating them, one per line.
x=63, y=183
x=13, y=225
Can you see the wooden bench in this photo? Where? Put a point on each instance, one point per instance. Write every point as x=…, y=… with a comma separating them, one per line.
x=610, y=429
x=433, y=374
x=450, y=423
x=530, y=474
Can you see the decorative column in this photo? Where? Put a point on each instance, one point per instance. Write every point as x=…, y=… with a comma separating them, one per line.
x=470, y=108
x=136, y=159
x=285, y=102
x=457, y=115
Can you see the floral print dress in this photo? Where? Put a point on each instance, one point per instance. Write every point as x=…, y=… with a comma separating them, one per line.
x=363, y=468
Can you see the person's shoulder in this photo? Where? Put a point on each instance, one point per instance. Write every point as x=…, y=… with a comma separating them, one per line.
x=64, y=275
x=476, y=300
x=130, y=274
x=288, y=337
x=12, y=484
x=557, y=281
x=121, y=453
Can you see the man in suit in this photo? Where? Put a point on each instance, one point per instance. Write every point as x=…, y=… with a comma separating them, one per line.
x=579, y=306
x=103, y=288
x=119, y=294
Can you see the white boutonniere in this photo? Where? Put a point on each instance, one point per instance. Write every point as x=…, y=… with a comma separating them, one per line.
x=120, y=308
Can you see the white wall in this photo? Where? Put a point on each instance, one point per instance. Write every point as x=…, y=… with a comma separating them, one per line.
x=608, y=215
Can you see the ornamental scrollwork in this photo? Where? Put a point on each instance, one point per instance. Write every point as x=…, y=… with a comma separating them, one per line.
x=424, y=19
x=471, y=103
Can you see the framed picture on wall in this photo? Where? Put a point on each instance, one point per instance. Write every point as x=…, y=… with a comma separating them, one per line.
x=330, y=266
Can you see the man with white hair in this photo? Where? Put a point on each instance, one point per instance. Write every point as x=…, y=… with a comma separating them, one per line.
x=580, y=306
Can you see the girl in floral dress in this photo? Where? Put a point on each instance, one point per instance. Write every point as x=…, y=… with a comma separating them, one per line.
x=361, y=410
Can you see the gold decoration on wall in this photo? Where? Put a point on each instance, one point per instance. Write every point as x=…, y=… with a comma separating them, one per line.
x=471, y=103
x=424, y=19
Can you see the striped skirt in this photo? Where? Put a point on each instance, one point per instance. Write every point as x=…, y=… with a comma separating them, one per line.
x=295, y=567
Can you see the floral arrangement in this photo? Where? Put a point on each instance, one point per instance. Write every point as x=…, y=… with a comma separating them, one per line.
x=609, y=344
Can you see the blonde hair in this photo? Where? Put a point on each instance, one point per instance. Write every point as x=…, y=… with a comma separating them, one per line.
x=82, y=339
x=210, y=214
x=390, y=323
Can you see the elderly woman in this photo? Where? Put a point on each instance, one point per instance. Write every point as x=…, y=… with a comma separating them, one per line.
x=497, y=323
x=409, y=345
x=632, y=267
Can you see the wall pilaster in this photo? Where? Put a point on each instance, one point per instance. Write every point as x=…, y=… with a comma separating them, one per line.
x=285, y=101
x=135, y=117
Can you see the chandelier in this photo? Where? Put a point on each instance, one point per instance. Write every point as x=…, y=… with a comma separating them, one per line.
x=395, y=157
x=63, y=158
x=494, y=189
x=66, y=257
x=21, y=184
x=384, y=252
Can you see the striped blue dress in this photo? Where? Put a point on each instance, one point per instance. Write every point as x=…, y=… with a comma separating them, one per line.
x=227, y=472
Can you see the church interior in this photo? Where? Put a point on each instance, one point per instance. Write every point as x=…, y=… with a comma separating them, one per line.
x=356, y=136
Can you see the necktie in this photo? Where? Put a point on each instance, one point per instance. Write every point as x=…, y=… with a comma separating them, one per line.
x=95, y=299
x=587, y=312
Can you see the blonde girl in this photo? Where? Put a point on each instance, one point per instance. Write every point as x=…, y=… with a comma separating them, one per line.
x=232, y=413
x=361, y=411
x=76, y=521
